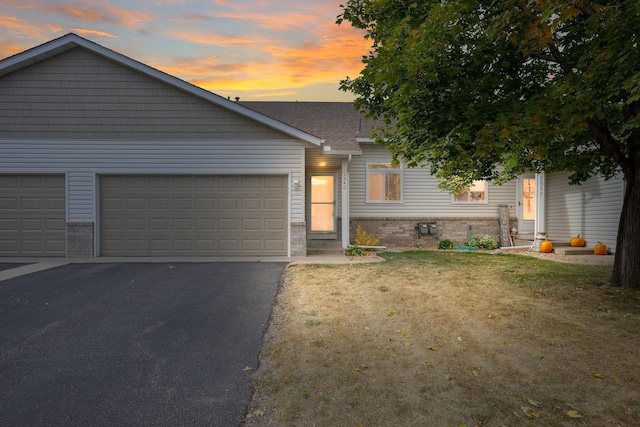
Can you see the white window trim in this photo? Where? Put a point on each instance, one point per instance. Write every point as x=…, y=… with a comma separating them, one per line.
x=399, y=170
x=485, y=202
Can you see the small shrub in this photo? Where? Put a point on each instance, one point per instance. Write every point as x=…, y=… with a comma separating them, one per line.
x=363, y=238
x=445, y=244
x=485, y=242
x=355, y=250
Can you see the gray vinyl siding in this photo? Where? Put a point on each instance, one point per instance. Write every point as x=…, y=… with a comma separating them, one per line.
x=80, y=95
x=81, y=196
x=421, y=196
x=84, y=160
x=591, y=209
x=83, y=115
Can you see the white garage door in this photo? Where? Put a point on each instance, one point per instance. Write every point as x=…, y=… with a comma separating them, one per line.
x=193, y=215
x=32, y=215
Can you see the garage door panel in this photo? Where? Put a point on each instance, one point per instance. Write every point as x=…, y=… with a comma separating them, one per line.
x=159, y=224
x=228, y=182
x=31, y=225
x=7, y=225
x=274, y=245
x=182, y=224
x=208, y=203
x=208, y=224
x=136, y=225
x=8, y=203
x=32, y=215
x=183, y=203
x=206, y=246
x=160, y=245
x=228, y=203
x=251, y=203
x=196, y=215
x=252, y=224
x=251, y=245
x=55, y=203
x=229, y=225
x=274, y=224
x=136, y=203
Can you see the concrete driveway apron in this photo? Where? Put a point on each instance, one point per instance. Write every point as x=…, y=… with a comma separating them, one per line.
x=133, y=344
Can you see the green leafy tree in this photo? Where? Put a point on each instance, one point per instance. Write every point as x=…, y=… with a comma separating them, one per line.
x=491, y=89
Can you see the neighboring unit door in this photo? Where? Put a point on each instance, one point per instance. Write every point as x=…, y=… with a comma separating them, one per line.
x=32, y=215
x=322, y=206
x=527, y=205
x=162, y=215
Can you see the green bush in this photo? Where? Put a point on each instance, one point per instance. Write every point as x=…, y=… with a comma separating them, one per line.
x=355, y=250
x=445, y=244
x=485, y=242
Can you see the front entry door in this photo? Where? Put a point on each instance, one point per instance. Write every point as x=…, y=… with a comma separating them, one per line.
x=322, y=209
x=527, y=205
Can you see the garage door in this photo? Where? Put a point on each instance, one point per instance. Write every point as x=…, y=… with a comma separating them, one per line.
x=193, y=215
x=32, y=215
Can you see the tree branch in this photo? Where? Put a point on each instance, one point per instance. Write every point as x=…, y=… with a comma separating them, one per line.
x=607, y=141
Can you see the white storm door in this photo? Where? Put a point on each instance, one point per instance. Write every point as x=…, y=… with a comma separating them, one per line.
x=527, y=205
x=322, y=209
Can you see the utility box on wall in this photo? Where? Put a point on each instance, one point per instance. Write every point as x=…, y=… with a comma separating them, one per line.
x=427, y=228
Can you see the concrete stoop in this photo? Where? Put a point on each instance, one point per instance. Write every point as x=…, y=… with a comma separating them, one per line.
x=569, y=250
x=324, y=247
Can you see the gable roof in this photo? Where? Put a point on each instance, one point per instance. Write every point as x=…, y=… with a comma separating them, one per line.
x=337, y=123
x=71, y=41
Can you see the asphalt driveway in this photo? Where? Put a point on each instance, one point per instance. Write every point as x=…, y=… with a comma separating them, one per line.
x=133, y=344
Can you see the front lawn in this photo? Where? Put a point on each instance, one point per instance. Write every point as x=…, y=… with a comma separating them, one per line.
x=450, y=339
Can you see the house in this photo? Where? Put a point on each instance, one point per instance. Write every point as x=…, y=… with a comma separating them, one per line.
x=101, y=155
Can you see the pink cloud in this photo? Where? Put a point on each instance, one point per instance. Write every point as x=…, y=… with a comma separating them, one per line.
x=99, y=12
x=92, y=33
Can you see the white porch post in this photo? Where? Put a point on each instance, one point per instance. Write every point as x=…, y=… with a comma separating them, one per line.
x=345, y=202
x=541, y=223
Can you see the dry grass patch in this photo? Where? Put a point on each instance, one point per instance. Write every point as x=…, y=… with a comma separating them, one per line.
x=450, y=339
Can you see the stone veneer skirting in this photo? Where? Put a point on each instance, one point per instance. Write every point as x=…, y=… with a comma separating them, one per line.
x=80, y=239
x=403, y=232
x=298, y=239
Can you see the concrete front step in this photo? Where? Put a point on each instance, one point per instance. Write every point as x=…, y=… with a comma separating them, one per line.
x=562, y=248
x=569, y=250
x=324, y=247
x=321, y=251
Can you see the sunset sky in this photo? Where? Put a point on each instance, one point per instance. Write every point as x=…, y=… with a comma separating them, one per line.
x=255, y=49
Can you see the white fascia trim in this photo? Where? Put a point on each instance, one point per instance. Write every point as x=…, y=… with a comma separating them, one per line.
x=363, y=140
x=344, y=153
x=75, y=40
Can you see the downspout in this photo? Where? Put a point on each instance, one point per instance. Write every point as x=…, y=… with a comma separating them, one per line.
x=541, y=223
x=346, y=164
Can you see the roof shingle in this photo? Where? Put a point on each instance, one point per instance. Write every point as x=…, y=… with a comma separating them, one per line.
x=338, y=123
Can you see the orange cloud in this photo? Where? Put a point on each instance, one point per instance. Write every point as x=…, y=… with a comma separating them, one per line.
x=254, y=63
x=16, y=29
x=18, y=26
x=211, y=39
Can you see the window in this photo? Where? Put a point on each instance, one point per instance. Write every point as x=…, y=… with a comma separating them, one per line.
x=384, y=182
x=477, y=193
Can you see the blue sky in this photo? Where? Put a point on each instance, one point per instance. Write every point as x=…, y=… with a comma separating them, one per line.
x=254, y=49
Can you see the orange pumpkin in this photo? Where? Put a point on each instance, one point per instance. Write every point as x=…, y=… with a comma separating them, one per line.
x=600, y=249
x=577, y=242
x=546, y=246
